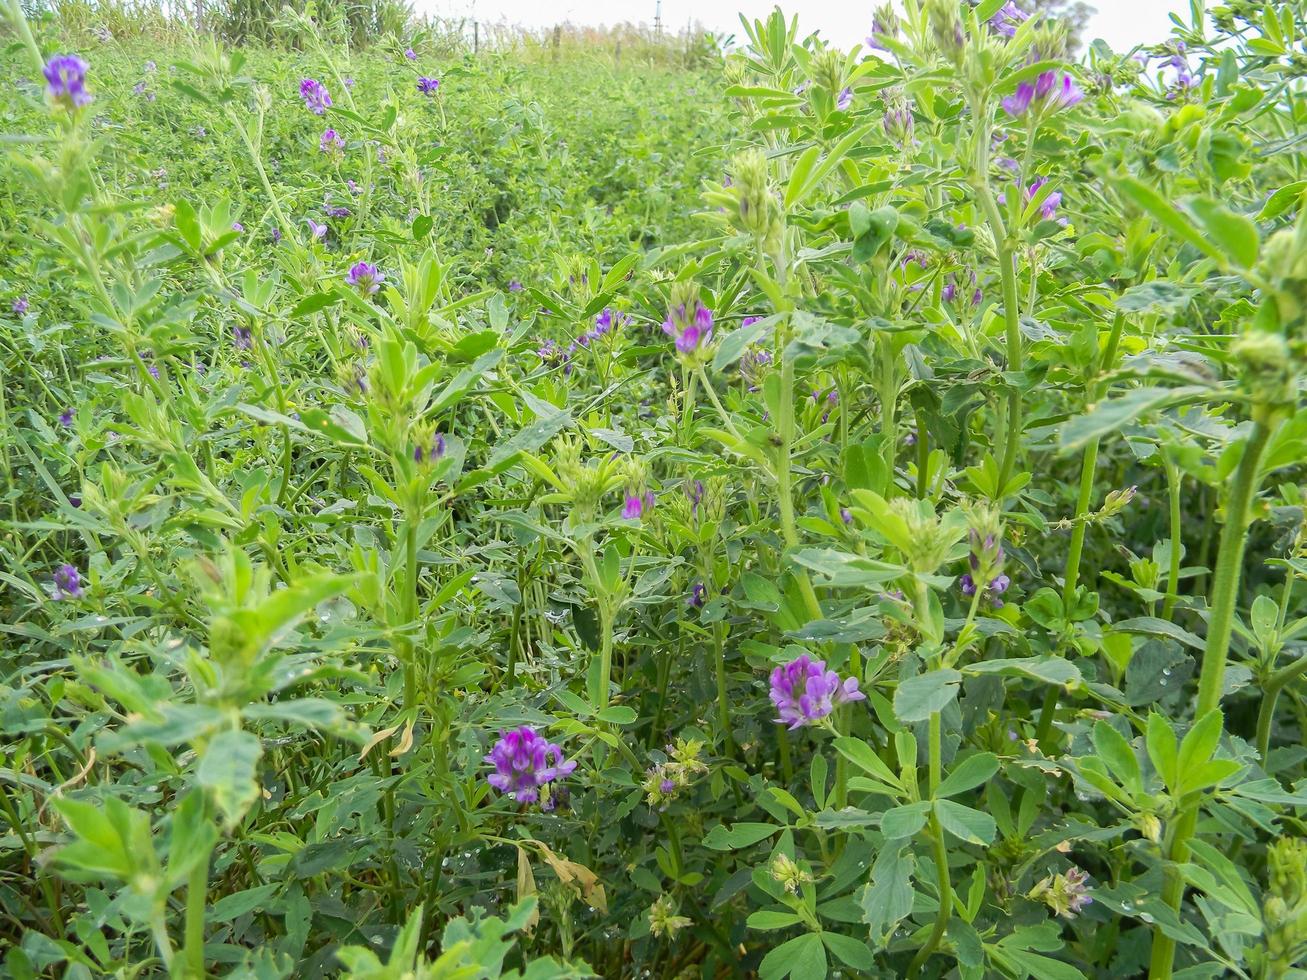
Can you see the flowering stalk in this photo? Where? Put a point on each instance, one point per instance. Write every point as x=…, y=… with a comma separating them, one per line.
x=1220, y=624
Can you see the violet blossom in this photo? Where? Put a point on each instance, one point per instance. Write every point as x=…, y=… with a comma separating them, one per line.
x=524, y=762
x=804, y=691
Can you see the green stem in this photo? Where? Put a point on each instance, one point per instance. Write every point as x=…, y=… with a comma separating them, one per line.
x=723, y=704
x=197, y=887
x=789, y=530
x=1225, y=592
x=940, y=852
x=410, y=609
x=923, y=457
x=1174, y=482
x=1270, y=694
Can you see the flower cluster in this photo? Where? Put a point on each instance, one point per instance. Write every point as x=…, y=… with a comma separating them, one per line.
x=65, y=81
x=364, y=277
x=605, y=323
x=985, y=561
x=429, y=450
x=665, y=780
x=663, y=920
x=637, y=505
x=884, y=24
x=804, y=691
x=525, y=763
x=1066, y=894
x=1047, y=91
x=331, y=142
x=1008, y=19
x=67, y=582
x=315, y=95
x=428, y=86
x=690, y=326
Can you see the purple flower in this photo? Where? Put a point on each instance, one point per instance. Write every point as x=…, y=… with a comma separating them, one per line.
x=845, y=99
x=804, y=691
x=430, y=454
x=1046, y=90
x=692, y=330
x=349, y=82
x=846, y=515
x=364, y=277
x=335, y=211
x=949, y=291
x=1048, y=206
x=883, y=25
x=241, y=337
x=698, y=593
x=330, y=141
x=1006, y=20
x=67, y=582
x=637, y=505
x=410, y=54
x=1019, y=101
x=276, y=236
x=66, y=418
x=315, y=95
x=19, y=306
x=138, y=88
x=428, y=86
x=65, y=80
x=695, y=491
x=514, y=286
x=236, y=226
x=524, y=762
x=316, y=230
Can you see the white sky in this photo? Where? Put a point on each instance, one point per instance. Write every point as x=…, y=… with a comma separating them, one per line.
x=1122, y=23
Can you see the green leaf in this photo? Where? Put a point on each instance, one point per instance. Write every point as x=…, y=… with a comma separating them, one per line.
x=902, y=822
x=530, y=437
x=313, y=303
x=842, y=570
x=802, y=958
x=735, y=343
x=1152, y=626
x=1116, y=413
x=852, y=951
x=1233, y=233
x=228, y=771
x=1050, y=670
x=1162, y=749
x=968, y=774
x=966, y=824
x=1116, y=752
x=887, y=899
x=738, y=835
x=239, y=903
x=1168, y=215
x=767, y=919
x=919, y=697
x=861, y=755
x=1199, y=743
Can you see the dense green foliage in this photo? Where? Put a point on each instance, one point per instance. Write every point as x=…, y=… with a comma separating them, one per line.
x=942, y=399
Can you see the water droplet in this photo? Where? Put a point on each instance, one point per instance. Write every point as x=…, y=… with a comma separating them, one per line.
x=378, y=939
x=1162, y=682
x=1166, y=671
x=1127, y=907
x=1145, y=917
